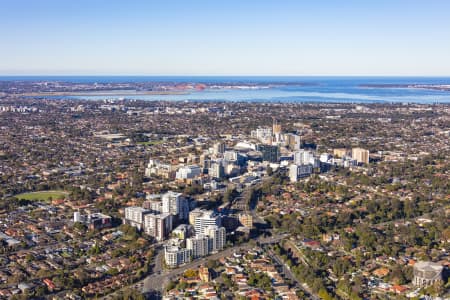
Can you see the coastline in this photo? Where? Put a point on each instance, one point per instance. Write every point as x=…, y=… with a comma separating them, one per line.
x=115, y=93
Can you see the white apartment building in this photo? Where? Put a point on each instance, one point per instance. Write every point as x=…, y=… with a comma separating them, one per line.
x=155, y=167
x=263, y=134
x=217, y=169
x=230, y=155
x=203, y=244
x=175, y=256
x=188, y=172
x=218, y=148
x=218, y=237
x=194, y=214
x=200, y=245
x=303, y=157
x=171, y=203
x=183, y=231
x=207, y=219
x=158, y=226
x=134, y=215
x=299, y=171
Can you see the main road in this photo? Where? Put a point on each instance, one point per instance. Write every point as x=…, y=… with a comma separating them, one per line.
x=158, y=280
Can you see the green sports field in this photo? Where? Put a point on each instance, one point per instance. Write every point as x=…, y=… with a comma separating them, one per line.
x=42, y=195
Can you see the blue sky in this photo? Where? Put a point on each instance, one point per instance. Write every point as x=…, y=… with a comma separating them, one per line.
x=209, y=37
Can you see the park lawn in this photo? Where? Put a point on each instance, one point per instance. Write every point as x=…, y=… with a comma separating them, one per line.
x=43, y=195
x=66, y=254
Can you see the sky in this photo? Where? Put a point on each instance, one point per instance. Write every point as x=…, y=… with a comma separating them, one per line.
x=232, y=37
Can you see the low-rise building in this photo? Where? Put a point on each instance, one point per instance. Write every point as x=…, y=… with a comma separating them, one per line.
x=427, y=273
x=93, y=221
x=299, y=171
x=246, y=220
x=188, y=172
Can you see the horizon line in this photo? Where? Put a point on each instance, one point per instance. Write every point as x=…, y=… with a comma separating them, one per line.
x=216, y=75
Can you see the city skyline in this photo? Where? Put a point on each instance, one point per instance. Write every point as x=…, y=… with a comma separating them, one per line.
x=404, y=38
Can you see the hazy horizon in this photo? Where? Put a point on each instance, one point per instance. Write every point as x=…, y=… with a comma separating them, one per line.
x=223, y=75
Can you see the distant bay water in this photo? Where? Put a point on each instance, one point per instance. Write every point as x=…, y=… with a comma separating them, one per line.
x=290, y=89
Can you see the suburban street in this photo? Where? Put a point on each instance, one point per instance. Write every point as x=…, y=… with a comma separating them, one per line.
x=290, y=275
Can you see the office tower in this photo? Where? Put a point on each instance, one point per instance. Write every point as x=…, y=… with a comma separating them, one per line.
x=217, y=170
x=276, y=130
x=218, y=148
x=269, y=153
x=276, y=127
x=205, y=162
x=360, y=155
x=293, y=141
